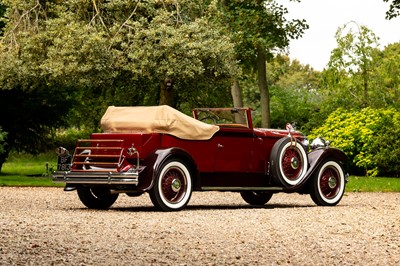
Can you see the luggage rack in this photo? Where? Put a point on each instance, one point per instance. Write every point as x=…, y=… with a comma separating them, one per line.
x=98, y=155
x=99, y=162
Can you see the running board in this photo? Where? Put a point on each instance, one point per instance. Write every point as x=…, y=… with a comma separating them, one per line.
x=242, y=188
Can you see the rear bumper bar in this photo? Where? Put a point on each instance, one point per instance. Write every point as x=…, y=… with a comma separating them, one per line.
x=99, y=178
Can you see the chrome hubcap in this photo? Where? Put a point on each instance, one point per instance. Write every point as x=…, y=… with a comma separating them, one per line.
x=295, y=162
x=176, y=185
x=332, y=182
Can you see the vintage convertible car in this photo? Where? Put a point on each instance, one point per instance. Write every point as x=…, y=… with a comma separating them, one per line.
x=168, y=154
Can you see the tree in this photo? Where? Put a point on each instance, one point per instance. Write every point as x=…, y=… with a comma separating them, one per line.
x=183, y=42
x=388, y=75
x=74, y=58
x=360, y=74
x=294, y=94
x=294, y=90
x=350, y=77
x=394, y=9
x=258, y=28
x=28, y=106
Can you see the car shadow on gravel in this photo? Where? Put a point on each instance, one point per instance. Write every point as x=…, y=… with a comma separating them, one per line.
x=241, y=207
x=200, y=207
x=212, y=207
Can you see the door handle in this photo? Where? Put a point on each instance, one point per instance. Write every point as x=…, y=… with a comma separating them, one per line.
x=220, y=146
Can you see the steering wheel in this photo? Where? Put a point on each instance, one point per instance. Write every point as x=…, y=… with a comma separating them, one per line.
x=209, y=119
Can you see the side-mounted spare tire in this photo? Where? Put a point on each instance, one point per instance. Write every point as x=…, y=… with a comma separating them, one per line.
x=288, y=161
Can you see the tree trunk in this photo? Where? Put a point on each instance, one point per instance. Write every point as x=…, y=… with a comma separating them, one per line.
x=236, y=92
x=263, y=86
x=166, y=93
x=365, y=86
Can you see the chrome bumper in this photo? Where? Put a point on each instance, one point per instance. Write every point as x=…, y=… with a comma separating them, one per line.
x=99, y=178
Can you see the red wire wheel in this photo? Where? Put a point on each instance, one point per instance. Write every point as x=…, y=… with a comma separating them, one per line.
x=328, y=184
x=289, y=162
x=173, y=187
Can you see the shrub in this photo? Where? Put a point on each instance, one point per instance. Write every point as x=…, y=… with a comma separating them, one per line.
x=3, y=148
x=367, y=136
x=3, y=143
x=386, y=147
x=67, y=137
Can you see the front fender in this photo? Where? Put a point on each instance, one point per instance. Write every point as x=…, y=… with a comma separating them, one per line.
x=316, y=157
x=155, y=161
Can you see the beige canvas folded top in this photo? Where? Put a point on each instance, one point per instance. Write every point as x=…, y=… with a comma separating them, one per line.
x=155, y=119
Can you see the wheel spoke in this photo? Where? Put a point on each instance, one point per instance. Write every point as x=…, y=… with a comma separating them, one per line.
x=329, y=183
x=173, y=185
x=292, y=163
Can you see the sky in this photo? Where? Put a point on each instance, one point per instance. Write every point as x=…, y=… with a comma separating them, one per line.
x=324, y=18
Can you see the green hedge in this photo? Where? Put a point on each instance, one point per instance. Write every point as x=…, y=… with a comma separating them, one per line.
x=369, y=137
x=67, y=137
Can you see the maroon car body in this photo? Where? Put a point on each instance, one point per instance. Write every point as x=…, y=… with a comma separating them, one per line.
x=218, y=149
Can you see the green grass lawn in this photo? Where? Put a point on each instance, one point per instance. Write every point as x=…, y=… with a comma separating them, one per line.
x=373, y=184
x=29, y=170
x=35, y=170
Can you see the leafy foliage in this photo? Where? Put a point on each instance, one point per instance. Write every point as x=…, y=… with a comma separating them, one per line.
x=350, y=73
x=3, y=147
x=3, y=136
x=263, y=24
x=359, y=74
x=259, y=28
x=64, y=62
x=387, y=75
x=368, y=137
x=67, y=137
x=365, y=78
x=394, y=9
x=2, y=18
x=386, y=147
x=293, y=90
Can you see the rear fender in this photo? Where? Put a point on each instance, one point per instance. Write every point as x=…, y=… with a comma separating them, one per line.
x=157, y=159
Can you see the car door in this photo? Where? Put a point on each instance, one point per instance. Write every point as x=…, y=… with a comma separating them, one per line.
x=234, y=151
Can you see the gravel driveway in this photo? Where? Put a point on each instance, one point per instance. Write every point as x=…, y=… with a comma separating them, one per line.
x=46, y=226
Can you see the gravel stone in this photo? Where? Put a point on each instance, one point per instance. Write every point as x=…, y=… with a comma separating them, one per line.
x=46, y=226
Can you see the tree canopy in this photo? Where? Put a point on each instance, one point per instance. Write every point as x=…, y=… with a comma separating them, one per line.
x=359, y=73
x=360, y=101
x=96, y=53
x=259, y=29
x=351, y=65
x=394, y=9
x=294, y=92
x=63, y=63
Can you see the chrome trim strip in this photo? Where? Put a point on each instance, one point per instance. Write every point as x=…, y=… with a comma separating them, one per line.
x=243, y=188
x=106, y=178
